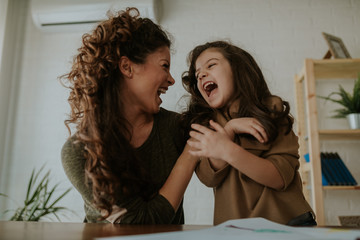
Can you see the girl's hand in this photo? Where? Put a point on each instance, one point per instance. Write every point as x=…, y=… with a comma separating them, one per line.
x=209, y=143
x=246, y=125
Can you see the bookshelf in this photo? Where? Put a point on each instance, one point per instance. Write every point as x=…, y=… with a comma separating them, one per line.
x=308, y=130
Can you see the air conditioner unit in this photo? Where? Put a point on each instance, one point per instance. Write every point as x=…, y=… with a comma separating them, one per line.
x=83, y=15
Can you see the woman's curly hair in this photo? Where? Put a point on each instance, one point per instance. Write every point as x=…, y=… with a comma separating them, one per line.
x=251, y=91
x=112, y=167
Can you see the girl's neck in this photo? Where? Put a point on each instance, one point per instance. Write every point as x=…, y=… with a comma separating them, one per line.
x=231, y=111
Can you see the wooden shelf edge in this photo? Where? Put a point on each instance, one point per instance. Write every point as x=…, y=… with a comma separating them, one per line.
x=305, y=167
x=340, y=131
x=335, y=61
x=300, y=77
x=340, y=134
x=341, y=187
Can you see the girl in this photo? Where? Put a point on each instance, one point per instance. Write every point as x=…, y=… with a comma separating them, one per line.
x=243, y=135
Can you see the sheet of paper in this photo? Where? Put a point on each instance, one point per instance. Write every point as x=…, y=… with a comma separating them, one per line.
x=250, y=229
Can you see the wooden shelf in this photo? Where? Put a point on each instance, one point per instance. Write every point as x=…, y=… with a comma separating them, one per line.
x=308, y=130
x=350, y=134
x=333, y=68
x=306, y=167
x=341, y=187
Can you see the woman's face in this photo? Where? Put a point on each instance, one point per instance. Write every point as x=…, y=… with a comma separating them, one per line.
x=149, y=81
x=214, y=78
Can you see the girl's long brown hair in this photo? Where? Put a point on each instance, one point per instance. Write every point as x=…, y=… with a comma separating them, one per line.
x=251, y=91
x=112, y=167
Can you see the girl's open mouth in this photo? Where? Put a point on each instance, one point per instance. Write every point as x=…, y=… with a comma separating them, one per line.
x=209, y=87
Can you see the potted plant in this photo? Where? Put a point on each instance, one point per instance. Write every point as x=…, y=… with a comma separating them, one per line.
x=350, y=103
x=40, y=201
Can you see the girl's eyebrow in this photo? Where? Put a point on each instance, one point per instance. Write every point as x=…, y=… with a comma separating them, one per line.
x=214, y=58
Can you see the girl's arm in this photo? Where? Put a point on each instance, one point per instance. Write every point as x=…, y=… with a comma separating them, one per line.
x=246, y=125
x=238, y=126
x=217, y=144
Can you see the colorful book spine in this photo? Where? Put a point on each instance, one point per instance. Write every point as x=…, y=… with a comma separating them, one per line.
x=333, y=170
x=327, y=170
x=350, y=180
x=324, y=176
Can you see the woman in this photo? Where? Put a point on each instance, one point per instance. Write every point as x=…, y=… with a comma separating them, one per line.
x=126, y=156
x=257, y=175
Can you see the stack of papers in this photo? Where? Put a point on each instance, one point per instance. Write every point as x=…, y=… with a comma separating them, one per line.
x=249, y=229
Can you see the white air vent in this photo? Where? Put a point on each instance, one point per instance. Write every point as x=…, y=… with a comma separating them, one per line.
x=75, y=15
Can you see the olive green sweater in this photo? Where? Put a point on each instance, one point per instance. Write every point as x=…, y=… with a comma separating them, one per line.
x=159, y=153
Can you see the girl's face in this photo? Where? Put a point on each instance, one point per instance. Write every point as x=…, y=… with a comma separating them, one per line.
x=149, y=81
x=214, y=78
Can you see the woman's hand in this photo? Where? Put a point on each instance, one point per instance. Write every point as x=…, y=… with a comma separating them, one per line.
x=210, y=143
x=246, y=125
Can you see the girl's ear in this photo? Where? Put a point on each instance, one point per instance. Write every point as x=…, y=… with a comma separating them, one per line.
x=125, y=66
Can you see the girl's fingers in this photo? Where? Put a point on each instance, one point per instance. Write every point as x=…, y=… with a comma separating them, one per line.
x=195, y=135
x=258, y=136
x=199, y=128
x=216, y=126
x=194, y=144
x=262, y=132
x=195, y=153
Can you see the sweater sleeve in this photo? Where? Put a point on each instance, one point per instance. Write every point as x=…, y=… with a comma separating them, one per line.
x=73, y=161
x=158, y=210
x=138, y=210
x=284, y=155
x=208, y=176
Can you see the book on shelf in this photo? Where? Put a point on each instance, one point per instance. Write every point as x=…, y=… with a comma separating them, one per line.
x=333, y=170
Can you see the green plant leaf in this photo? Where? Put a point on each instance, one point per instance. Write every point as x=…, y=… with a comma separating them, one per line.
x=350, y=102
x=356, y=95
x=39, y=194
x=48, y=196
x=29, y=186
x=39, y=188
x=60, y=197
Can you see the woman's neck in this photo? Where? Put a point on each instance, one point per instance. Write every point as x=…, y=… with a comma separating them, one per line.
x=142, y=124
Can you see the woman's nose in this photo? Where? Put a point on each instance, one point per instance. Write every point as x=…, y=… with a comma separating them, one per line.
x=171, y=80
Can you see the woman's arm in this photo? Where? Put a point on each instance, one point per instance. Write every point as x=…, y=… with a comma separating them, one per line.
x=174, y=188
x=161, y=209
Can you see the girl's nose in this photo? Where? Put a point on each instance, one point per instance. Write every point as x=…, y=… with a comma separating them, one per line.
x=202, y=75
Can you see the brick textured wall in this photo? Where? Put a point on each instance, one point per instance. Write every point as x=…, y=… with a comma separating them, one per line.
x=279, y=34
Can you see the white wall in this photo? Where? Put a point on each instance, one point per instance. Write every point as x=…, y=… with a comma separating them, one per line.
x=3, y=107
x=3, y=14
x=11, y=48
x=279, y=34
